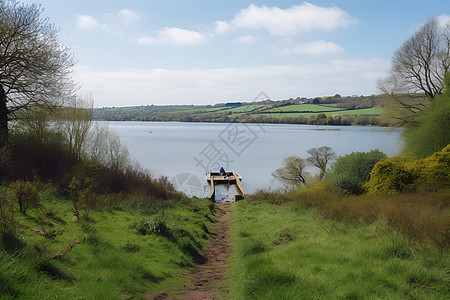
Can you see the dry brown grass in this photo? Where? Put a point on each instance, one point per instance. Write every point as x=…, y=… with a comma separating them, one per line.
x=423, y=217
x=272, y=197
x=317, y=195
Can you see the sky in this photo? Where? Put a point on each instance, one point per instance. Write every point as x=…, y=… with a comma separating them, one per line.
x=143, y=52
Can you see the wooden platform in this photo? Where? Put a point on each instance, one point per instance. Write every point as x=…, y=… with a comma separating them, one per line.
x=232, y=178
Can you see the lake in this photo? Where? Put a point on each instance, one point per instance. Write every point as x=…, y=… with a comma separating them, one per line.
x=184, y=152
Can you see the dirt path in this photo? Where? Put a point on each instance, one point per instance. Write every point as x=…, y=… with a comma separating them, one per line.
x=208, y=278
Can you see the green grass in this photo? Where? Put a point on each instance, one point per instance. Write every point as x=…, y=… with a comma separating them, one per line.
x=200, y=110
x=303, y=107
x=112, y=260
x=287, y=252
x=365, y=111
x=245, y=108
x=240, y=109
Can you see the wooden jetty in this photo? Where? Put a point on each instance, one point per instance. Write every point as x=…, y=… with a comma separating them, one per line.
x=214, y=178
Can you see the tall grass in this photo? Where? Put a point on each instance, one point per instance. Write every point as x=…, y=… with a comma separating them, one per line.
x=422, y=217
x=286, y=251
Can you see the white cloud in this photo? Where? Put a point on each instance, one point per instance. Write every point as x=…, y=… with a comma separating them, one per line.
x=286, y=22
x=112, y=23
x=86, y=22
x=127, y=16
x=206, y=86
x=443, y=20
x=246, y=39
x=314, y=48
x=222, y=27
x=174, y=35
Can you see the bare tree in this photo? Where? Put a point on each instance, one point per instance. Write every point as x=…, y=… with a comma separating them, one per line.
x=118, y=153
x=292, y=173
x=77, y=121
x=98, y=142
x=418, y=71
x=35, y=68
x=319, y=157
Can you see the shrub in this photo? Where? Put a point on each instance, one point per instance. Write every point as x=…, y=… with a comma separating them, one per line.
x=399, y=174
x=83, y=194
x=25, y=193
x=134, y=180
x=272, y=197
x=391, y=176
x=155, y=225
x=29, y=156
x=316, y=195
x=351, y=171
x=434, y=171
x=103, y=170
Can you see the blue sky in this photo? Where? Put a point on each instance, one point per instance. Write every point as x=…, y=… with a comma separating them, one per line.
x=141, y=52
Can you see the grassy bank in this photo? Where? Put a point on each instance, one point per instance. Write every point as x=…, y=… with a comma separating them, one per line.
x=288, y=252
x=117, y=253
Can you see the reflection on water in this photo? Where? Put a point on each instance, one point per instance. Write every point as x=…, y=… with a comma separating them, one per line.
x=225, y=193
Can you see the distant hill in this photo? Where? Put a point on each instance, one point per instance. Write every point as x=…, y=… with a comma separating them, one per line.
x=333, y=110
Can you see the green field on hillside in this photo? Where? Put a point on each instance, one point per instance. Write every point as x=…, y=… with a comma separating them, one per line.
x=197, y=110
x=245, y=108
x=261, y=112
x=220, y=109
x=303, y=107
x=354, y=112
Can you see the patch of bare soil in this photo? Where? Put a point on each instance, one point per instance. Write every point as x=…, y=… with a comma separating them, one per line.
x=207, y=280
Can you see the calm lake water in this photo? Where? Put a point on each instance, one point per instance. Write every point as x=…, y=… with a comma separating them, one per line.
x=184, y=152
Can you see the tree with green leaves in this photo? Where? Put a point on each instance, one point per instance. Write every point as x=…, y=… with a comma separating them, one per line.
x=431, y=132
x=35, y=68
x=351, y=171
